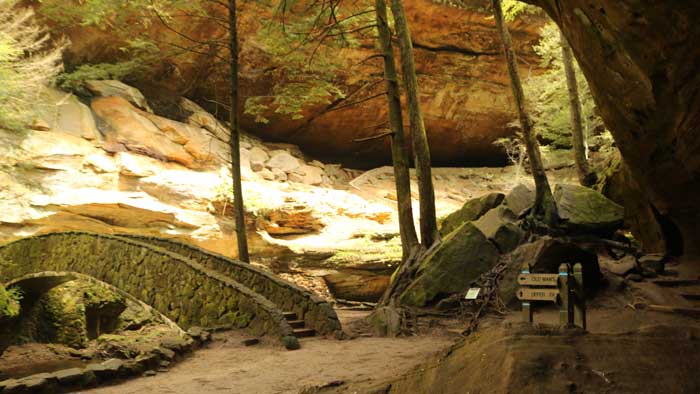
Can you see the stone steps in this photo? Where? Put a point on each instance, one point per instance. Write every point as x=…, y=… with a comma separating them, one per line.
x=298, y=326
x=296, y=323
x=304, y=332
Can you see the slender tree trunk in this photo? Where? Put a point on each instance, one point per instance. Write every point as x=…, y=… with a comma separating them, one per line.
x=544, y=207
x=428, y=219
x=585, y=176
x=399, y=153
x=234, y=140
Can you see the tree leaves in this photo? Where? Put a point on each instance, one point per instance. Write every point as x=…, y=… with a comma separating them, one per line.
x=28, y=63
x=549, y=106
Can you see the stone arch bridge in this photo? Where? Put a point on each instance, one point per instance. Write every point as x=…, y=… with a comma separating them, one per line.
x=189, y=285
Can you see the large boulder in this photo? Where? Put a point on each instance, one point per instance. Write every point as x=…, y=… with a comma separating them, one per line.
x=545, y=255
x=282, y=160
x=495, y=215
x=127, y=128
x=107, y=88
x=68, y=115
x=356, y=285
x=584, y=210
x=471, y=210
x=258, y=157
x=199, y=117
x=498, y=226
x=310, y=175
x=519, y=199
x=461, y=258
x=199, y=143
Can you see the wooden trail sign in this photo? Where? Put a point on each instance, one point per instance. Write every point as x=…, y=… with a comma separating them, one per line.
x=525, y=294
x=564, y=288
x=538, y=280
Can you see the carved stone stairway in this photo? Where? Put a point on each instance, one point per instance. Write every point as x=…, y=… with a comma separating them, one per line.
x=298, y=326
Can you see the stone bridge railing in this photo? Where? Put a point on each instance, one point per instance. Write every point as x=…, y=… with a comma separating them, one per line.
x=182, y=289
x=316, y=312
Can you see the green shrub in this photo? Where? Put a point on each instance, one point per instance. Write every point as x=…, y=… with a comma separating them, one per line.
x=9, y=302
x=28, y=63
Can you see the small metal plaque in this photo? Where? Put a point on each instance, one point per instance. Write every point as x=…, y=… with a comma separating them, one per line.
x=538, y=279
x=538, y=294
x=472, y=293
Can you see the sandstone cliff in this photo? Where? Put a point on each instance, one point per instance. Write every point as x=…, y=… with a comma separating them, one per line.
x=463, y=83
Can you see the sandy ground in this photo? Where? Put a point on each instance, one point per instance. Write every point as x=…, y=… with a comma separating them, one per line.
x=616, y=316
x=227, y=366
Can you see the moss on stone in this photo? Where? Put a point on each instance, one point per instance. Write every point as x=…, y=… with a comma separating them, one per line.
x=463, y=255
x=470, y=211
x=269, y=286
x=291, y=342
x=64, y=309
x=200, y=290
x=9, y=302
x=585, y=210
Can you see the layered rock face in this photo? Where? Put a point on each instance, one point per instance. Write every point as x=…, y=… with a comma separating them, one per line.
x=640, y=59
x=464, y=89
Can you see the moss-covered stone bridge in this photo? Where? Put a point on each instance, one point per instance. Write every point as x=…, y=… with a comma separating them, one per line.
x=189, y=285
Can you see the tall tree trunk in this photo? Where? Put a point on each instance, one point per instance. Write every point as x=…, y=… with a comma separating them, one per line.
x=234, y=140
x=585, y=176
x=399, y=153
x=428, y=219
x=545, y=207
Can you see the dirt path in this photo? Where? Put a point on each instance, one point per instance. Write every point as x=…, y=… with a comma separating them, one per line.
x=226, y=366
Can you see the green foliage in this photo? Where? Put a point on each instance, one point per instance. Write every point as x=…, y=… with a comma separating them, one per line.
x=299, y=45
x=127, y=20
x=141, y=53
x=9, y=302
x=111, y=15
x=303, y=49
x=28, y=63
x=549, y=96
x=514, y=8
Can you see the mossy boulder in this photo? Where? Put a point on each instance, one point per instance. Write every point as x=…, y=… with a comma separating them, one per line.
x=461, y=258
x=471, y=210
x=291, y=342
x=134, y=317
x=519, y=199
x=584, y=210
x=499, y=227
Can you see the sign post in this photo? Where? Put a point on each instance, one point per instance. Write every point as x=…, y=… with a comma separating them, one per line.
x=580, y=310
x=564, y=288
